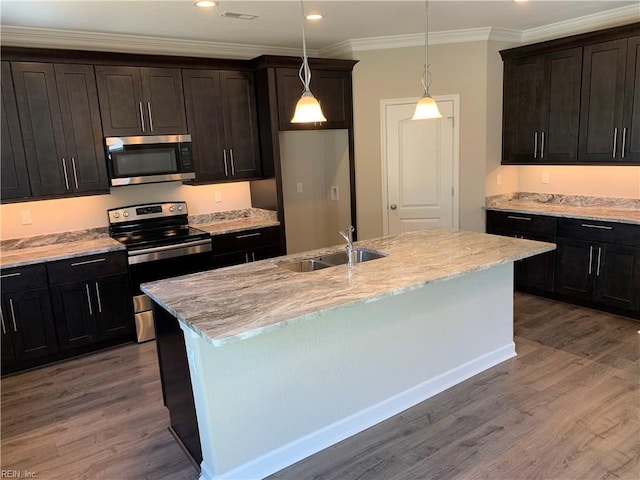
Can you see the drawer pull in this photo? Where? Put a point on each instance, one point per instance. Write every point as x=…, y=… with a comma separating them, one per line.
x=87, y=262
x=248, y=235
x=13, y=315
x=4, y=330
x=7, y=275
x=602, y=227
x=515, y=217
x=86, y=286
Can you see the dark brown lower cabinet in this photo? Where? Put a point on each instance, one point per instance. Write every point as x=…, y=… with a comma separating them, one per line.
x=176, y=383
x=246, y=246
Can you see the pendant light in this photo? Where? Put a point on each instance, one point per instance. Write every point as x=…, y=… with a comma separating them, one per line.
x=427, y=106
x=308, y=108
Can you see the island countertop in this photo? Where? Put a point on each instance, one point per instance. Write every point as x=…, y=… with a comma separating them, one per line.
x=242, y=301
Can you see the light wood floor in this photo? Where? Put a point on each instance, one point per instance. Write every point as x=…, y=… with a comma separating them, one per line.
x=567, y=407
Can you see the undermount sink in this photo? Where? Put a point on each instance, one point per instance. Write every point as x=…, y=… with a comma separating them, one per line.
x=332, y=260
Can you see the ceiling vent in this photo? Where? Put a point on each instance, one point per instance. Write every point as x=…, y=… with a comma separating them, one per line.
x=239, y=16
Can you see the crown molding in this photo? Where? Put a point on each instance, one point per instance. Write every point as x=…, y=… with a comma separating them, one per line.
x=109, y=42
x=587, y=23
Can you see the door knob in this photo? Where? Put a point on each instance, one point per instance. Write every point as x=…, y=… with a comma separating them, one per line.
x=393, y=206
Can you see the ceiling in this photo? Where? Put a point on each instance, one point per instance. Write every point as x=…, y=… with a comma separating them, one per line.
x=278, y=22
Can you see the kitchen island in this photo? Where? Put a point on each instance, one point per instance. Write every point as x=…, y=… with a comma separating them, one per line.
x=285, y=363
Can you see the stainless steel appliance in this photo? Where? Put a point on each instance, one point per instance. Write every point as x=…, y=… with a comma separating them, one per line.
x=149, y=159
x=160, y=244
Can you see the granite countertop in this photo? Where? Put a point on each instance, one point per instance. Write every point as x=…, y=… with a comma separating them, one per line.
x=585, y=208
x=234, y=303
x=235, y=221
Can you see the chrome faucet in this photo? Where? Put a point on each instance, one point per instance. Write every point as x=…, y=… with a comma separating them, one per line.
x=347, y=234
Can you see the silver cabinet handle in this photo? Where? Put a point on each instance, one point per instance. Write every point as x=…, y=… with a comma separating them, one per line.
x=253, y=256
x=141, y=116
x=75, y=172
x=393, y=206
x=516, y=217
x=86, y=286
x=257, y=234
x=542, y=146
x=226, y=170
x=624, y=140
x=4, y=330
x=615, y=141
x=535, y=145
x=98, y=298
x=602, y=227
x=150, y=116
x=233, y=167
x=7, y=275
x=599, y=257
x=590, y=258
x=86, y=262
x=13, y=315
x=66, y=176
x=246, y=258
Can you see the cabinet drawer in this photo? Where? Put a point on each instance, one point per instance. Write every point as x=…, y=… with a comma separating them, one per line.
x=592, y=230
x=521, y=223
x=23, y=278
x=245, y=240
x=87, y=267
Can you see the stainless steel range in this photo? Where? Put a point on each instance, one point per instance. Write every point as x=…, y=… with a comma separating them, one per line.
x=160, y=244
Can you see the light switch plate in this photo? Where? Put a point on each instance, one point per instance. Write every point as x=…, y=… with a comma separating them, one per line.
x=25, y=217
x=218, y=196
x=545, y=177
x=499, y=179
x=335, y=196
x=299, y=187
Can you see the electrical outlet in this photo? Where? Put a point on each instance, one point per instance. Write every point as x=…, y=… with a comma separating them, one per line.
x=545, y=177
x=334, y=194
x=299, y=187
x=25, y=217
x=218, y=196
x=499, y=179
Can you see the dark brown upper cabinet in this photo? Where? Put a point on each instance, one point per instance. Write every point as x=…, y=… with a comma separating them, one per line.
x=541, y=108
x=331, y=88
x=610, y=114
x=141, y=100
x=14, y=175
x=222, y=120
x=574, y=100
x=61, y=130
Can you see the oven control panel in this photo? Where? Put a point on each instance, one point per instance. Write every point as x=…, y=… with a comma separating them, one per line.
x=147, y=211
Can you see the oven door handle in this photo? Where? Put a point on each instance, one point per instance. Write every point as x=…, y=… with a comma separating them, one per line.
x=164, y=248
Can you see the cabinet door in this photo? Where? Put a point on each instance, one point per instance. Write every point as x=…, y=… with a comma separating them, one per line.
x=602, y=101
x=41, y=123
x=8, y=356
x=574, y=268
x=28, y=316
x=163, y=100
x=75, y=314
x=204, y=116
x=521, y=110
x=240, y=123
x=631, y=121
x=560, y=115
x=82, y=127
x=618, y=276
x=121, y=102
x=14, y=175
x=114, y=305
x=536, y=272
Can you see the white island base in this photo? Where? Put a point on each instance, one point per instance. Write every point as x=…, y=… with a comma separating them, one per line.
x=265, y=402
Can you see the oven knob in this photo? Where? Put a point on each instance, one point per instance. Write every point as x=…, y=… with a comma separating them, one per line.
x=172, y=208
x=125, y=213
x=116, y=215
x=179, y=208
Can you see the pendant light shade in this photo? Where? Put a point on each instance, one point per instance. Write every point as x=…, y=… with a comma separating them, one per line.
x=427, y=106
x=308, y=108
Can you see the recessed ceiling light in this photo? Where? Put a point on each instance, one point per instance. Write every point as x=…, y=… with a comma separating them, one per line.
x=314, y=16
x=205, y=4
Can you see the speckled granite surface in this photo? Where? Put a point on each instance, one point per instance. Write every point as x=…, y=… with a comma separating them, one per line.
x=235, y=221
x=239, y=302
x=623, y=210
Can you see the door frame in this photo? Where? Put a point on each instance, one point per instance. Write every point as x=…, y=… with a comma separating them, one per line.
x=384, y=103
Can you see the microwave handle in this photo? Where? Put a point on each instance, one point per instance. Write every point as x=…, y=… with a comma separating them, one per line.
x=141, y=116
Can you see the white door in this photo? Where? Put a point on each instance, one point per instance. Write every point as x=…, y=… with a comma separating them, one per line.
x=419, y=166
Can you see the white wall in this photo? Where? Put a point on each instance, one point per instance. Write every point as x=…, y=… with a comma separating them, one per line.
x=78, y=213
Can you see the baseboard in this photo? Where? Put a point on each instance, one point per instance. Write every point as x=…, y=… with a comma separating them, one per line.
x=314, y=442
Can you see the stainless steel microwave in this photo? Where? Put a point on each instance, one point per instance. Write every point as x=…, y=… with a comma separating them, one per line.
x=149, y=159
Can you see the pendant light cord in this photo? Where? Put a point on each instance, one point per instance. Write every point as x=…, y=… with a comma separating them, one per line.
x=305, y=72
x=426, y=76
